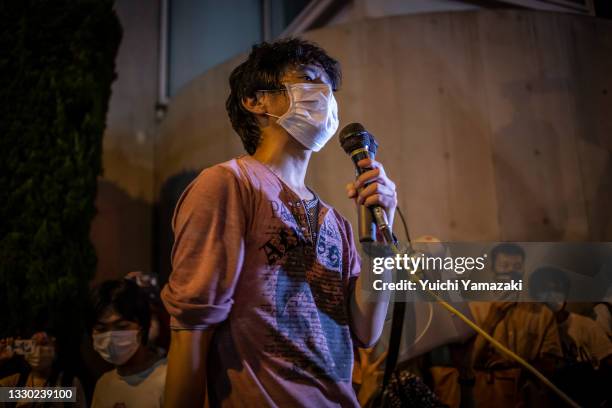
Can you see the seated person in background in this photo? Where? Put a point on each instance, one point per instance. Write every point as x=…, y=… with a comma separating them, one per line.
x=44, y=370
x=582, y=339
x=587, y=351
x=528, y=329
x=120, y=327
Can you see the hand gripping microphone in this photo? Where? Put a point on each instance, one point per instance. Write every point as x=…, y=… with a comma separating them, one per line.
x=360, y=144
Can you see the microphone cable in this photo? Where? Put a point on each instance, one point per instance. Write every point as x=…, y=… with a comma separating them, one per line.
x=495, y=343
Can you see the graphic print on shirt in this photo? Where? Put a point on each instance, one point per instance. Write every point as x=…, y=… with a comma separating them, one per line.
x=311, y=327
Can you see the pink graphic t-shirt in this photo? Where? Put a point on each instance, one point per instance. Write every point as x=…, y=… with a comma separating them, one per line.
x=244, y=261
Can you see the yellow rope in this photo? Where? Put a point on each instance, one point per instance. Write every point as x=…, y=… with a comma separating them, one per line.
x=496, y=343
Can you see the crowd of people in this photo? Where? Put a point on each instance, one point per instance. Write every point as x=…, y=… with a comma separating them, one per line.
x=569, y=343
x=128, y=330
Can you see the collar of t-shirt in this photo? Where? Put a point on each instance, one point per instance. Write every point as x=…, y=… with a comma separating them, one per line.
x=137, y=378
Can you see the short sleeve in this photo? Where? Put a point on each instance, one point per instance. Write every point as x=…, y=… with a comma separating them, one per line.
x=208, y=251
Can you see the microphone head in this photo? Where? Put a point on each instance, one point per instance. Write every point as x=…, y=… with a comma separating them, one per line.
x=354, y=136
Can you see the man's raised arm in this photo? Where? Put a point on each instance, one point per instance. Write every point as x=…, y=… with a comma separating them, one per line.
x=368, y=313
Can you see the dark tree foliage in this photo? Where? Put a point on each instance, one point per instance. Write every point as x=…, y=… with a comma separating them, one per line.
x=57, y=64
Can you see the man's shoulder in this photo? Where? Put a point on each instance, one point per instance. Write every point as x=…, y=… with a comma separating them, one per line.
x=219, y=177
x=229, y=169
x=242, y=169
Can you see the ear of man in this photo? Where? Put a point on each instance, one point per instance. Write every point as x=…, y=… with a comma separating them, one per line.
x=256, y=105
x=259, y=106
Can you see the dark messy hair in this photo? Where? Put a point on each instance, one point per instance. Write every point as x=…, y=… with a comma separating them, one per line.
x=125, y=297
x=264, y=69
x=506, y=249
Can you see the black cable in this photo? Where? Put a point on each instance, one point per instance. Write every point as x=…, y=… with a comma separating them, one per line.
x=399, y=211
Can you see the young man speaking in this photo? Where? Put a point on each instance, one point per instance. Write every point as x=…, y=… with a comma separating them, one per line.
x=264, y=293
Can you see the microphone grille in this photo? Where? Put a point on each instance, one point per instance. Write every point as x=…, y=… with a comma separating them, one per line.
x=354, y=136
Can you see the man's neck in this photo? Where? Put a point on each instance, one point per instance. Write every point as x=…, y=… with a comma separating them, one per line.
x=286, y=158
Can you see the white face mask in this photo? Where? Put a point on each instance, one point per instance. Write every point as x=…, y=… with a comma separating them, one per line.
x=312, y=117
x=116, y=347
x=41, y=357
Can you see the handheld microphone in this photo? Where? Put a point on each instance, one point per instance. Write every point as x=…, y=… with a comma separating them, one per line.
x=359, y=144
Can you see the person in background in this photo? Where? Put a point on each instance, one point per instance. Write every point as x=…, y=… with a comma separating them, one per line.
x=44, y=370
x=528, y=329
x=587, y=352
x=581, y=337
x=120, y=328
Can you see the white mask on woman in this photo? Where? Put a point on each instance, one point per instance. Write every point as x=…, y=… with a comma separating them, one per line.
x=312, y=117
x=116, y=347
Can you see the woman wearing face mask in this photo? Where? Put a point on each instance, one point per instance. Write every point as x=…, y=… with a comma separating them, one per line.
x=121, y=321
x=43, y=371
